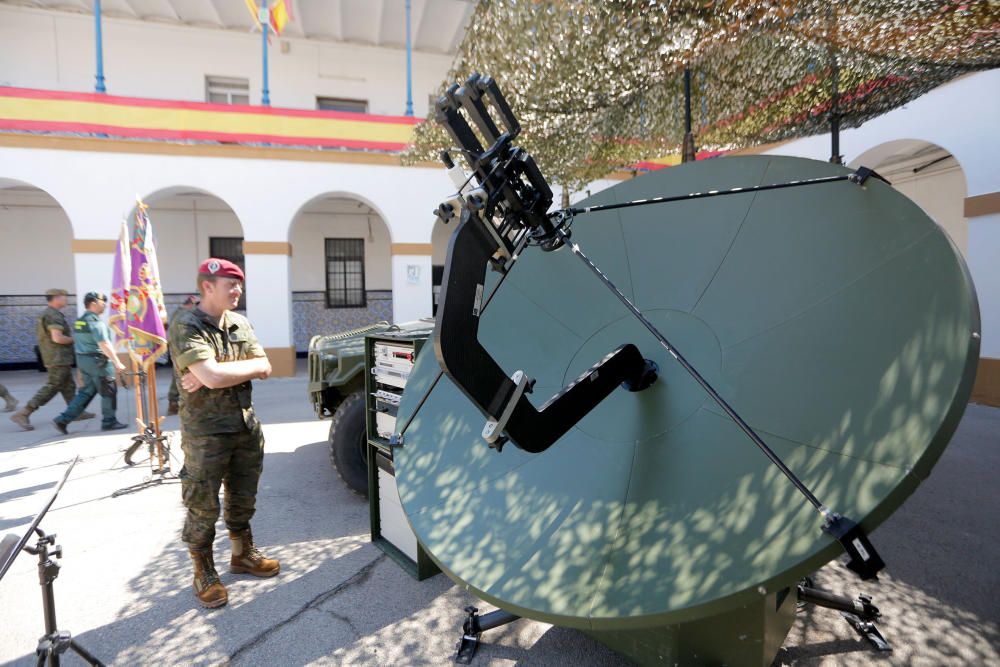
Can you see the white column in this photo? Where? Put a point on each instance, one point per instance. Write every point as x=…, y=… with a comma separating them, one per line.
x=269, y=305
x=984, y=264
x=411, y=285
x=93, y=267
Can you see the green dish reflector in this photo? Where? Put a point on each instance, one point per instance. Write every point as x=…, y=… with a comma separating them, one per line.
x=838, y=320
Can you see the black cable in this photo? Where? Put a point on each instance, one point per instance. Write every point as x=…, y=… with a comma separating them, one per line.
x=711, y=193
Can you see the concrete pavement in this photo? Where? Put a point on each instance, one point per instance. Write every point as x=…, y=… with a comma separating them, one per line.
x=124, y=589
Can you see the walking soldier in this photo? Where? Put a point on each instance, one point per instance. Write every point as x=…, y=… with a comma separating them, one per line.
x=56, y=345
x=98, y=363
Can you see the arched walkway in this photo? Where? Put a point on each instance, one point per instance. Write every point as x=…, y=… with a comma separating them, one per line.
x=930, y=176
x=36, y=255
x=190, y=224
x=341, y=268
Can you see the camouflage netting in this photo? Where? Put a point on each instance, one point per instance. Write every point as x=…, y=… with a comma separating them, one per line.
x=598, y=85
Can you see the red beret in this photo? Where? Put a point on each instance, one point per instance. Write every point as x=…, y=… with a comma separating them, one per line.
x=222, y=268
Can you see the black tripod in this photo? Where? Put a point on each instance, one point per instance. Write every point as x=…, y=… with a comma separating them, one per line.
x=55, y=642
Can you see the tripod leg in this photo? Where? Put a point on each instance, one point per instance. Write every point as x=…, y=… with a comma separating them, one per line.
x=85, y=654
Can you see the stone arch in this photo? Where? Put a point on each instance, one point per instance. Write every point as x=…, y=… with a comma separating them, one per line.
x=37, y=254
x=360, y=297
x=930, y=175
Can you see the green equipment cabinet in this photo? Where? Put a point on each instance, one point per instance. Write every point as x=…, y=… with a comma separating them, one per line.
x=389, y=358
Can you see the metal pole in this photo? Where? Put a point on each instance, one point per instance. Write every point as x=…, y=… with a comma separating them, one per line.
x=265, y=25
x=687, y=99
x=154, y=413
x=409, y=64
x=688, y=151
x=835, y=157
x=99, y=86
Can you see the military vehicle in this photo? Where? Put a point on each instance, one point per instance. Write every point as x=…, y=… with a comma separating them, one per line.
x=337, y=390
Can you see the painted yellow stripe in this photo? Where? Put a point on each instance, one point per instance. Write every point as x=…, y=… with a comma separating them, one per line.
x=267, y=248
x=412, y=249
x=982, y=205
x=98, y=246
x=78, y=111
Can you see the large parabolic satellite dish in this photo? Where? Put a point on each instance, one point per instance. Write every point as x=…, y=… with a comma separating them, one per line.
x=837, y=319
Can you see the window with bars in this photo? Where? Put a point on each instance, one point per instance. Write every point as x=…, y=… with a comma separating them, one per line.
x=345, y=273
x=341, y=104
x=227, y=90
x=231, y=248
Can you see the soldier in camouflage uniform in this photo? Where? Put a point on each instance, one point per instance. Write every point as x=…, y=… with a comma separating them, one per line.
x=216, y=354
x=10, y=400
x=55, y=342
x=173, y=396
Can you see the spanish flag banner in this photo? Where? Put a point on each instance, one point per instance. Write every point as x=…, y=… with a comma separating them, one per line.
x=279, y=13
x=279, y=16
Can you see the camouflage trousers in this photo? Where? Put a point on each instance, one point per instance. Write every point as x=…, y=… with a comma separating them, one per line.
x=232, y=460
x=173, y=395
x=60, y=381
x=4, y=394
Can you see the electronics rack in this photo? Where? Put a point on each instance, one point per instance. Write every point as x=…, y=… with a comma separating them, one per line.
x=389, y=358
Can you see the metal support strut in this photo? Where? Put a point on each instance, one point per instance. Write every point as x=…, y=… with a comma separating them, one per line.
x=861, y=614
x=474, y=626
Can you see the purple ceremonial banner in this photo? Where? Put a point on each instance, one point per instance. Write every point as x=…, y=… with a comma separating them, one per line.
x=119, y=289
x=145, y=312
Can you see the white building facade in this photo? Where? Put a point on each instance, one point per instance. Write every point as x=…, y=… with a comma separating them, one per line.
x=333, y=239
x=282, y=210
x=940, y=150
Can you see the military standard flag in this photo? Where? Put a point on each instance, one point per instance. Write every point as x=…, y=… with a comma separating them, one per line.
x=146, y=312
x=120, y=280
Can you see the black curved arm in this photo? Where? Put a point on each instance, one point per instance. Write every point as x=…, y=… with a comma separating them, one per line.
x=477, y=374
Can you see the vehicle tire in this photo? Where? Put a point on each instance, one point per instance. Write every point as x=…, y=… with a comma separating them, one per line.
x=349, y=443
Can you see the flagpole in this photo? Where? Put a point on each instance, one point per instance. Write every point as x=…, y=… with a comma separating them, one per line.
x=154, y=413
x=265, y=25
x=99, y=86
x=409, y=64
x=140, y=324
x=139, y=413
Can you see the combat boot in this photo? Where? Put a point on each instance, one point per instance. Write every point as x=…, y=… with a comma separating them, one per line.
x=247, y=559
x=11, y=403
x=21, y=418
x=207, y=587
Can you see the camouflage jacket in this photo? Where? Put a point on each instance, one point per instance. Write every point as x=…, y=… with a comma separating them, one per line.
x=194, y=336
x=54, y=354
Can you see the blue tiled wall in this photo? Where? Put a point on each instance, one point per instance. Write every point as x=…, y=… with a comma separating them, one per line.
x=310, y=316
x=18, y=319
